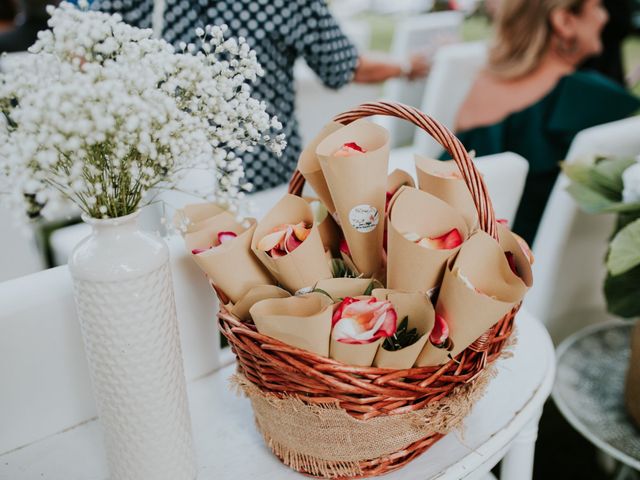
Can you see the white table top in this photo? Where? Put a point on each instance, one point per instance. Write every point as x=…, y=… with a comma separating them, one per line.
x=228, y=445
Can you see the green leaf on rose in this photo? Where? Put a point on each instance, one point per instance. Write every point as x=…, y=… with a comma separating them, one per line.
x=593, y=202
x=624, y=250
x=402, y=338
x=340, y=269
x=607, y=174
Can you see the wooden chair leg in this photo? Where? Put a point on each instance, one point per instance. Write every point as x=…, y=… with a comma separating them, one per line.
x=517, y=464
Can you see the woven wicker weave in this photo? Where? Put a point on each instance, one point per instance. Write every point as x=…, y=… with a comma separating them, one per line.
x=367, y=392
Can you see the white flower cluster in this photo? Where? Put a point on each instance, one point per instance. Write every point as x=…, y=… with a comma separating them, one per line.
x=100, y=112
x=631, y=183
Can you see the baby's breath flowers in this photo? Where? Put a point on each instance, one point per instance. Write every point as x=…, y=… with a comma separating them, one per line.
x=100, y=112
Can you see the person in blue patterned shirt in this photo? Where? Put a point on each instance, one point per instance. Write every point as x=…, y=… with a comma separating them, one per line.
x=280, y=31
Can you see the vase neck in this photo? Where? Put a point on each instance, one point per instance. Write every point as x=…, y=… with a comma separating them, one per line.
x=113, y=226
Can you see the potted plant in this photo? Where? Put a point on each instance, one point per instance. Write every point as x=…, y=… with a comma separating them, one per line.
x=612, y=185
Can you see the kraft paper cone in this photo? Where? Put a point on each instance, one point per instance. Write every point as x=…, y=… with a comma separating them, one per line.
x=421, y=315
x=357, y=355
x=399, y=178
x=230, y=266
x=328, y=228
x=411, y=267
x=309, y=166
x=358, y=188
x=307, y=264
x=467, y=312
x=253, y=296
x=303, y=321
x=194, y=216
x=509, y=244
x=207, y=234
x=432, y=179
x=344, y=287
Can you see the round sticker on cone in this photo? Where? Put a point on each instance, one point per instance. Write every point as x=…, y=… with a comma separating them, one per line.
x=364, y=218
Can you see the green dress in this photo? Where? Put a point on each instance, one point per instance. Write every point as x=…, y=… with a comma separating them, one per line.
x=542, y=134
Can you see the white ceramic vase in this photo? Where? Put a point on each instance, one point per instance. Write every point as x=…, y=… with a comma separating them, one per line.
x=125, y=302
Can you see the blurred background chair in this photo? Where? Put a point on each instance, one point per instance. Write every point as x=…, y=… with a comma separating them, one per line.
x=570, y=246
x=421, y=34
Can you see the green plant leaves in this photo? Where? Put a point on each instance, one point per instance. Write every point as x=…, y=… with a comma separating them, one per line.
x=623, y=293
x=624, y=251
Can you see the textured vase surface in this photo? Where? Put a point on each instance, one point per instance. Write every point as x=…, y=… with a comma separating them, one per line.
x=125, y=302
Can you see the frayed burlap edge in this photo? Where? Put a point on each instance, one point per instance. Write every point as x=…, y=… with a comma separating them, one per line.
x=325, y=441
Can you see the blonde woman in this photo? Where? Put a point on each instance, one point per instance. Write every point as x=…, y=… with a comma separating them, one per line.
x=531, y=100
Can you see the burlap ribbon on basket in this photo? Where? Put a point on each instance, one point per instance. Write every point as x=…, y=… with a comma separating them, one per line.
x=325, y=441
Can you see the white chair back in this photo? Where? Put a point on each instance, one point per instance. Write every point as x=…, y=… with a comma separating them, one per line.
x=422, y=34
x=570, y=245
x=43, y=368
x=504, y=174
x=18, y=252
x=454, y=70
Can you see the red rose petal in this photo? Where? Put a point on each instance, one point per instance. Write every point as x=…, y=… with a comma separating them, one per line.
x=440, y=332
x=225, y=237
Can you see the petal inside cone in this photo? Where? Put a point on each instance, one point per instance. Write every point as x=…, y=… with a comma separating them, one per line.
x=440, y=332
x=448, y=241
x=271, y=240
x=363, y=321
x=225, y=237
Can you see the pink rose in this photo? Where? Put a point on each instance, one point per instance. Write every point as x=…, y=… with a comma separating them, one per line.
x=358, y=321
x=439, y=336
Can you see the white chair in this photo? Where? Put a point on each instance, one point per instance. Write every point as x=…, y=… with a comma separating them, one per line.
x=570, y=245
x=48, y=413
x=422, y=34
x=453, y=72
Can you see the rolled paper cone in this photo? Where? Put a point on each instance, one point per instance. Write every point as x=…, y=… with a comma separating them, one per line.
x=231, y=266
x=303, y=321
x=358, y=187
x=194, y=216
x=344, y=287
x=357, y=355
x=470, y=312
x=412, y=267
x=207, y=235
x=328, y=228
x=309, y=166
x=253, y=296
x=399, y=178
x=305, y=265
x=417, y=307
x=433, y=179
x=509, y=243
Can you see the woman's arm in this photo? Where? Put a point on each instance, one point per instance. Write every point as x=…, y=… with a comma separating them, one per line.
x=371, y=70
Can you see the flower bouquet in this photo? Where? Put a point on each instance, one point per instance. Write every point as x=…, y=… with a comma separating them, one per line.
x=383, y=340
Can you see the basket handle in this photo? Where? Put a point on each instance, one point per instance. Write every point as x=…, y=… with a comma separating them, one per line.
x=443, y=136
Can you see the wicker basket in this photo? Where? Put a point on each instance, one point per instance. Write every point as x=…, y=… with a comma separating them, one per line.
x=365, y=393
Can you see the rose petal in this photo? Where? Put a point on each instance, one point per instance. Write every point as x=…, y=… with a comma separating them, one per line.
x=290, y=241
x=449, y=240
x=354, y=146
x=412, y=236
x=276, y=252
x=301, y=231
x=503, y=221
x=512, y=262
x=196, y=251
x=271, y=240
x=337, y=315
x=344, y=247
x=440, y=332
x=225, y=237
